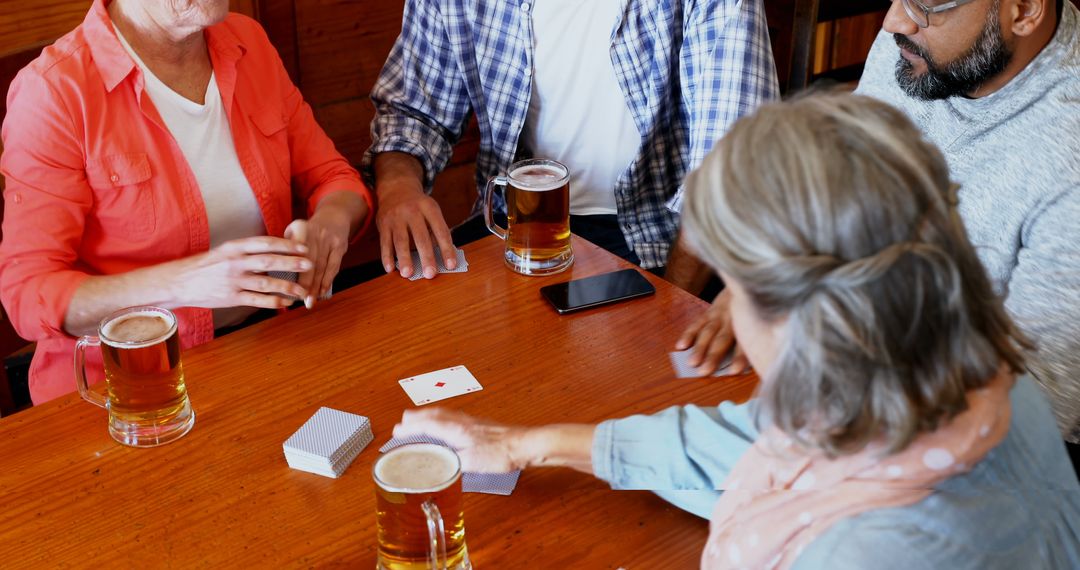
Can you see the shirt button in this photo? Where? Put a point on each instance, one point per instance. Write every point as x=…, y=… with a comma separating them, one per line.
x=525, y=7
x=528, y=72
x=114, y=178
x=18, y=198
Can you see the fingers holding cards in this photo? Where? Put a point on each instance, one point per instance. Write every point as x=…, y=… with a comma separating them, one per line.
x=680, y=362
x=502, y=483
x=293, y=277
x=461, y=265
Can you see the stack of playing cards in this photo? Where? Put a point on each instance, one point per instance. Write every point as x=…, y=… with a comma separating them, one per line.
x=440, y=264
x=328, y=442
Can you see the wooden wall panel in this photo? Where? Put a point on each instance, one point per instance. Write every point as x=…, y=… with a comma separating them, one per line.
x=37, y=23
x=343, y=46
x=846, y=42
x=278, y=18
x=841, y=34
x=348, y=124
x=247, y=7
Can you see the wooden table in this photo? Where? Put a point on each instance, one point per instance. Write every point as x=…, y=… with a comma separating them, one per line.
x=223, y=495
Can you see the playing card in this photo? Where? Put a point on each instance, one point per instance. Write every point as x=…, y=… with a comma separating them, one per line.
x=490, y=483
x=292, y=276
x=440, y=385
x=440, y=264
x=400, y=441
x=679, y=361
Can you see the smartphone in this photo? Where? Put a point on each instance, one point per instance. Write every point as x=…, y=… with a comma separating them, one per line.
x=597, y=290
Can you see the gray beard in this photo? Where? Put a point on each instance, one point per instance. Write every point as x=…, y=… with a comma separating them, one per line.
x=986, y=58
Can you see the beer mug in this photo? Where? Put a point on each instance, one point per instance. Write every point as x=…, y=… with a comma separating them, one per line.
x=537, y=235
x=421, y=524
x=145, y=393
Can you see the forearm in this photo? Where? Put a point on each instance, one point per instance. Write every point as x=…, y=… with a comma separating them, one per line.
x=396, y=171
x=346, y=204
x=559, y=445
x=98, y=296
x=682, y=447
x=686, y=271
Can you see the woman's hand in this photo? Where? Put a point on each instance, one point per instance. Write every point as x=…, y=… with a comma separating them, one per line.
x=484, y=447
x=234, y=274
x=230, y=275
x=488, y=447
x=326, y=239
x=712, y=338
x=326, y=235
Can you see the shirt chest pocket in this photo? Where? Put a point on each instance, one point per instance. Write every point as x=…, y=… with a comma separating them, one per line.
x=123, y=194
x=274, y=140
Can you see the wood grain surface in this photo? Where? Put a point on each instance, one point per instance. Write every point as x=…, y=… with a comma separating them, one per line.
x=223, y=495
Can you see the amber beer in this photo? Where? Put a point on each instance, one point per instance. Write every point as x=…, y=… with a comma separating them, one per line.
x=538, y=217
x=145, y=392
x=421, y=523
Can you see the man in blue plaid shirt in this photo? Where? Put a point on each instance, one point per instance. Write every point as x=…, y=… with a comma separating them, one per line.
x=629, y=94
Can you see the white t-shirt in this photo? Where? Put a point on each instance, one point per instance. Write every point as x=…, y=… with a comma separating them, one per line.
x=203, y=134
x=577, y=113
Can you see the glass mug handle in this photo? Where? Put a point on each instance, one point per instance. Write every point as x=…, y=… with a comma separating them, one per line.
x=489, y=204
x=436, y=535
x=80, y=371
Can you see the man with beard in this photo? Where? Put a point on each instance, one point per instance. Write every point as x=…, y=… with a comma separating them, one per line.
x=995, y=84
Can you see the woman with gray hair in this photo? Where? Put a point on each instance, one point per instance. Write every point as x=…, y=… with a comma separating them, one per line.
x=893, y=427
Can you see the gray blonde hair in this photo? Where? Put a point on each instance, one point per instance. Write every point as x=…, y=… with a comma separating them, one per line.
x=833, y=211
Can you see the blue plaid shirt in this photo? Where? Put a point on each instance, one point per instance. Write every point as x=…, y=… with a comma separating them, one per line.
x=688, y=69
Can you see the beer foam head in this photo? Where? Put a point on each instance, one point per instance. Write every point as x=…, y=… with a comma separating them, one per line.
x=538, y=177
x=137, y=328
x=423, y=467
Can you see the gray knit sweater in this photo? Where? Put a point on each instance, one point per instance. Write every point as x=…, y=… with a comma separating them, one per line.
x=1016, y=155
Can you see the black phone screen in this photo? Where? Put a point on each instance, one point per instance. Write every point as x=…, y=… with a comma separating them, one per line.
x=597, y=290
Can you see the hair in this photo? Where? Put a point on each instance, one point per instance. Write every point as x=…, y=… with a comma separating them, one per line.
x=840, y=220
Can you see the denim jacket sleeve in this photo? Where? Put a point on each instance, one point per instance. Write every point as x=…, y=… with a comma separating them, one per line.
x=680, y=448
x=683, y=453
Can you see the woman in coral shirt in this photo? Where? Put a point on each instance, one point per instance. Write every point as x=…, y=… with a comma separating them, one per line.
x=152, y=157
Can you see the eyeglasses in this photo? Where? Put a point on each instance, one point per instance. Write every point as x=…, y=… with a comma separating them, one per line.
x=920, y=12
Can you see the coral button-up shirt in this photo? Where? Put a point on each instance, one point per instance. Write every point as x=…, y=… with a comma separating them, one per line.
x=96, y=184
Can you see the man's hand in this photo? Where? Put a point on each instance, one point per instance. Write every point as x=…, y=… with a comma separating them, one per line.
x=712, y=337
x=408, y=215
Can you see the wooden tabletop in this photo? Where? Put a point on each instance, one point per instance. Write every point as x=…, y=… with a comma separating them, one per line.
x=223, y=495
